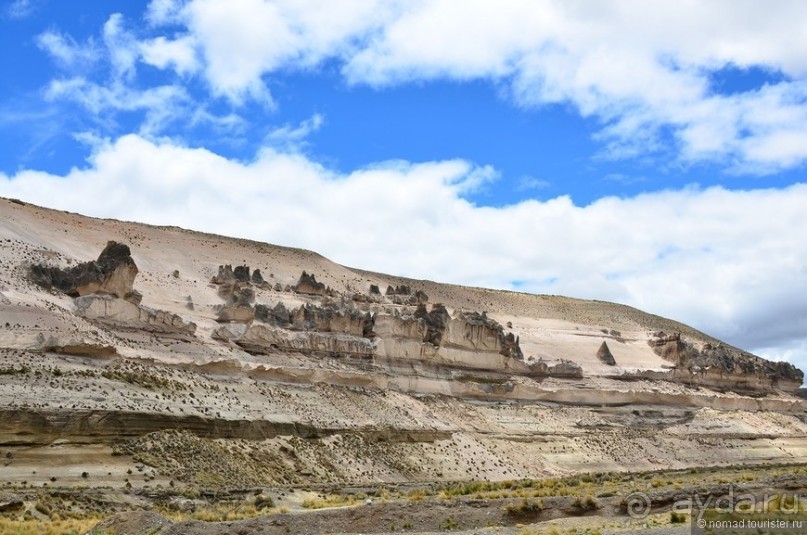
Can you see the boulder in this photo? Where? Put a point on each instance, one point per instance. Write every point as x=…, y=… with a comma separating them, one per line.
x=566, y=369
x=403, y=289
x=436, y=321
x=278, y=316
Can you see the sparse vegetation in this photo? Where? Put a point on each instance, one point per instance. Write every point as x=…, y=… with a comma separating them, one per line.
x=524, y=508
x=333, y=500
x=677, y=518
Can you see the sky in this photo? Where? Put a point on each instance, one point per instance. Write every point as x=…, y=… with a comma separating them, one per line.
x=645, y=152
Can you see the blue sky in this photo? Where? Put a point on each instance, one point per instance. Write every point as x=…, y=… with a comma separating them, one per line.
x=651, y=153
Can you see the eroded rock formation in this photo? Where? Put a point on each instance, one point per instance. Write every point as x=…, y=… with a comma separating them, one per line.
x=466, y=340
x=123, y=314
x=112, y=273
x=307, y=284
x=604, y=354
x=104, y=292
x=724, y=364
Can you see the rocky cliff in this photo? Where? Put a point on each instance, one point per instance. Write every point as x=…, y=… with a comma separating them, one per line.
x=347, y=375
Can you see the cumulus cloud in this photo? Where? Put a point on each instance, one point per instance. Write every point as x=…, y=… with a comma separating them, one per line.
x=642, y=69
x=178, y=54
x=732, y=263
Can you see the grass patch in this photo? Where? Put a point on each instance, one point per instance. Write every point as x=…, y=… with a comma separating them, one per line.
x=48, y=527
x=524, y=508
x=333, y=500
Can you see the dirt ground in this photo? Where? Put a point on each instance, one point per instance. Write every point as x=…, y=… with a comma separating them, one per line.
x=578, y=507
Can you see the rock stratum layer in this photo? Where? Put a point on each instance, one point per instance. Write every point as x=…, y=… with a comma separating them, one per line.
x=219, y=361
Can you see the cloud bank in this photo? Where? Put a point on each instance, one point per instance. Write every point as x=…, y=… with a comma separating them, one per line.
x=647, y=72
x=732, y=263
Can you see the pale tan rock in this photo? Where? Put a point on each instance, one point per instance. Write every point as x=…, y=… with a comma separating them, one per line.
x=120, y=313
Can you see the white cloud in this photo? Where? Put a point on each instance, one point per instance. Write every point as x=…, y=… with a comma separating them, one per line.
x=162, y=105
x=293, y=138
x=179, y=54
x=640, y=68
x=732, y=263
x=163, y=11
x=66, y=51
x=643, y=70
x=122, y=48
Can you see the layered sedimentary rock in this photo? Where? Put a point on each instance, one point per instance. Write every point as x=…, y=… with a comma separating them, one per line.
x=123, y=314
x=722, y=366
x=469, y=340
x=104, y=292
x=522, y=382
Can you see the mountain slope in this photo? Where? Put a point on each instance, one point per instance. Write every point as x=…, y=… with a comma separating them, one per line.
x=169, y=351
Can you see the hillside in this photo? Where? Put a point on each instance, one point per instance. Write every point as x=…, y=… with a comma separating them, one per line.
x=182, y=358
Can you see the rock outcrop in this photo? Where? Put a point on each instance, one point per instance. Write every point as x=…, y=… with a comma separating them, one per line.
x=564, y=369
x=308, y=285
x=236, y=314
x=724, y=365
x=104, y=292
x=433, y=336
x=123, y=314
x=604, y=354
x=112, y=273
x=75, y=346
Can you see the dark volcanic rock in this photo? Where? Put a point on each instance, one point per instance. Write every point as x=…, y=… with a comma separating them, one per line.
x=278, y=316
x=308, y=285
x=224, y=276
x=237, y=294
x=257, y=278
x=436, y=321
x=241, y=273
x=605, y=356
x=403, y=289
x=113, y=273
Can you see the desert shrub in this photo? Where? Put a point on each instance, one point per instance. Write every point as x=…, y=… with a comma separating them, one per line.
x=677, y=518
x=524, y=508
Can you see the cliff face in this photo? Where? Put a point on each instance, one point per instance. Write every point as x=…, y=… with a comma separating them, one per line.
x=145, y=339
